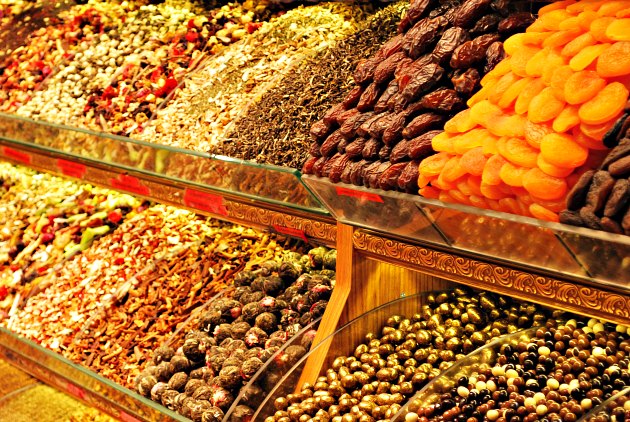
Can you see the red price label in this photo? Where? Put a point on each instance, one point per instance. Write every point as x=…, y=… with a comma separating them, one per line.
x=368, y=196
x=291, y=232
x=71, y=169
x=16, y=155
x=75, y=391
x=205, y=201
x=126, y=417
x=129, y=184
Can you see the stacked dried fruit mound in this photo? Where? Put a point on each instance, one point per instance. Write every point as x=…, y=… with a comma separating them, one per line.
x=600, y=198
x=387, y=370
x=215, y=95
x=538, y=122
x=45, y=220
x=201, y=376
x=117, y=341
x=275, y=129
x=404, y=94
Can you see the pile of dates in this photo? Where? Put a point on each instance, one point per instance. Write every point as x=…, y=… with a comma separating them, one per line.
x=238, y=334
x=385, y=371
x=404, y=94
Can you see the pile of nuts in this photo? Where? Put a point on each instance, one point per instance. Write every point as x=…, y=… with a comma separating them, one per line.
x=238, y=334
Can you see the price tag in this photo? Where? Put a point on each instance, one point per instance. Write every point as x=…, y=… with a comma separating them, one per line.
x=21, y=156
x=71, y=169
x=367, y=196
x=126, y=417
x=129, y=184
x=75, y=391
x=290, y=232
x=205, y=201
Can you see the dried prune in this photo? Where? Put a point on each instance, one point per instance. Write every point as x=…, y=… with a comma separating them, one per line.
x=349, y=127
x=364, y=71
x=400, y=152
x=369, y=97
x=386, y=69
x=577, y=196
x=571, y=217
x=615, y=133
x=420, y=146
x=352, y=98
x=422, y=35
x=610, y=225
x=620, y=151
x=319, y=130
x=425, y=79
x=384, y=152
x=466, y=82
x=597, y=194
x=442, y=100
x=417, y=9
x=485, y=24
x=391, y=90
x=590, y=219
x=329, y=147
x=421, y=124
x=355, y=148
x=408, y=179
x=389, y=177
x=391, y=47
x=393, y=133
x=469, y=11
x=371, y=149
x=337, y=167
x=450, y=40
x=473, y=51
x=494, y=54
x=330, y=118
x=356, y=173
x=515, y=23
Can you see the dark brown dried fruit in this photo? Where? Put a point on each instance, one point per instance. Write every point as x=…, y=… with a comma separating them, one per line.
x=319, y=130
x=318, y=166
x=494, y=54
x=328, y=166
x=341, y=147
x=355, y=148
x=400, y=152
x=371, y=149
x=450, y=40
x=348, y=114
x=384, y=152
x=577, y=196
x=443, y=8
x=376, y=130
x=487, y=23
x=597, y=194
x=372, y=175
x=571, y=217
x=442, y=100
x=338, y=167
x=610, y=225
x=417, y=9
x=386, y=69
x=363, y=130
x=393, y=133
x=590, y=219
x=618, y=198
x=515, y=23
x=408, y=180
x=356, y=174
x=421, y=124
x=469, y=11
x=329, y=147
x=369, y=97
x=421, y=82
x=315, y=150
x=420, y=146
x=391, y=90
x=307, y=168
x=620, y=151
x=391, y=47
x=466, y=83
x=625, y=222
x=621, y=167
x=618, y=131
x=345, y=175
x=501, y=7
x=330, y=118
x=422, y=35
x=389, y=177
x=365, y=70
x=472, y=52
x=349, y=128
x=352, y=98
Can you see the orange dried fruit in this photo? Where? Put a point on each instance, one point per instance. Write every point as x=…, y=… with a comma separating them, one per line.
x=491, y=191
x=474, y=183
x=473, y=161
x=535, y=38
x=452, y=170
x=555, y=6
x=490, y=145
x=433, y=165
x=512, y=175
x=559, y=79
x=625, y=13
x=581, y=6
x=543, y=213
x=521, y=57
x=429, y=192
x=442, y=183
x=478, y=201
x=571, y=23
x=509, y=205
x=541, y=185
x=554, y=61
x=481, y=95
x=561, y=150
x=552, y=170
x=567, y=119
x=588, y=55
x=555, y=205
x=552, y=19
x=500, y=69
x=519, y=152
x=608, y=103
x=445, y=197
x=460, y=123
x=597, y=132
x=511, y=94
x=599, y=26
x=578, y=44
x=469, y=140
x=611, y=7
x=615, y=60
x=526, y=95
x=459, y=197
x=498, y=89
x=534, y=132
x=582, y=86
x=544, y=107
x=423, y=180
x=484, y=111
x=560, y=38
x=587, y=141
x=513, y=44
x=586, y=18
x=492, y=169
x=507, y=125
x=536, y=64
x=462, y=186
x=619, y=30
x=443, y=142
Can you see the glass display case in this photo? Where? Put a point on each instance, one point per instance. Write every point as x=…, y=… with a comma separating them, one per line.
x=615, y=409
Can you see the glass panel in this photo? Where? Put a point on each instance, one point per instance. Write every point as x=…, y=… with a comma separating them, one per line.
x=616, y=408
x=389, y=212
x=268, y=183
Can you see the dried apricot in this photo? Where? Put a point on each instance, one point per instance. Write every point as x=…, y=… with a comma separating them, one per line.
x=433, y=165
x=481, y=95
x=511, y=94
x=484, y=111
x=544, y=106
x=578, y=44
x=535, y=38
x=442, y=183
x=587, y=141
x=534, y=132
x=559, y=5
x=567, y=119
x=597, y=132
x=615, y=60
x=552, y=19
x=552, y=170
x=543, y=213
x=571, y=23
x=512, y=175
x=559, y=79
x=462, y=186
x=588, y=55
x=494, y=205
x=555, y=205
x=599, y=26
x=452, y=170
x=469, y=140
x=543, y=186
x=609, y=102
x=509, y=205
x=521, y=57
x=536, y=64
x=518, y=151
x=560, y=38
x=526, y=95
x=498, y=89
x=491, y=170
x=491, y=191
x=581, y=6
x=561, y=150
x=474, y=182
x=611, y=7
x=490, y=145
x=478, y=201
x=582, y=86
x=554, y=61
x=507, y=125
x=625, y=13
x=473, y=161
x=586, y=18
x=501, y=69
x=619, y=30
x=423, y=180
x=513, y=44
x=445, y=197
x=460, y=123
x=459, y=197
x=429, y=192
x=443, y=142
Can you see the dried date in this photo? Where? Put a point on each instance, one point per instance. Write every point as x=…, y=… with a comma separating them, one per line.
x=371, y=149
x=345, y=175
x=420, y=147
x=364, y=129
x=618, y=198
x=372, y=174
x=319, y=131
x=423, y=35
x=466, y=82
x=421, y=124
x=389, y=177
x=494, y=54
x=515, y=23
x=442, y=100
x=318, y=166
x=425, y=79
x=376, y=130
x=328, y=166
x=501, y=7
x=405, y=71
x=391, y=47
x=331, y=116
x=408, y=179
x=469, y=11
x=337, y=167
x=355, y=148
x=352, y=98
x=386, y=69
x=417, y=9
x=450, y=40
x=364, y=71
x=329, y=147
x=341, y=147
x=400, y=152
x=347, y=115
x=307, y=168
x=315, y=150
x=356, y=173
x=487, y=23
x=384, y=153
x=393, y=133
x=349, y=128
x=391, y=90
x=472, y=52
x=369, y=97
x=444, y=8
